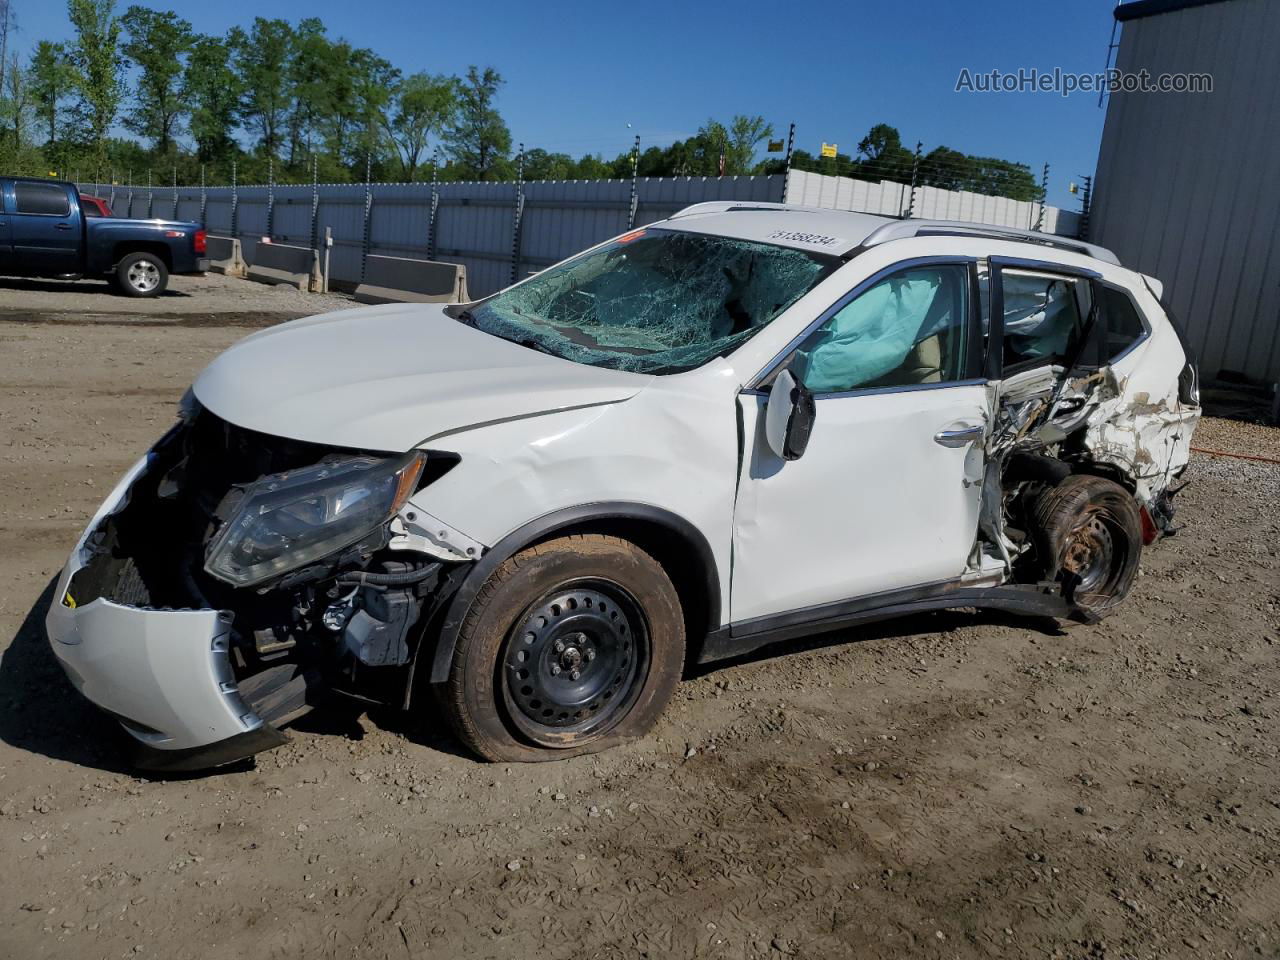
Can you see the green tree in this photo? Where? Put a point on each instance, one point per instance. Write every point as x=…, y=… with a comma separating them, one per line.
x=95, y=57
x=479, y=138
x=374, y=79
x=261, y=59
x=50, y=78
x=881, y=155
x=541, y=165
x=745, y=136
x=315, y=62
x=212, y=93
x=422, y=106
x=15, y=105
x=157, y=42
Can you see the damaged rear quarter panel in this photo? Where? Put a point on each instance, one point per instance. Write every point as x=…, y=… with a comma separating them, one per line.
x=1145, y=430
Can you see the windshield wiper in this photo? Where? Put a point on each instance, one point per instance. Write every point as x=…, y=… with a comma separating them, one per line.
x=534, y=345
x=466, y=317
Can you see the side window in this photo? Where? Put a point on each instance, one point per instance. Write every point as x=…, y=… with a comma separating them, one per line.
x=1043, y=316
x=910, y=328
x=1124, y=325
x=42, y=198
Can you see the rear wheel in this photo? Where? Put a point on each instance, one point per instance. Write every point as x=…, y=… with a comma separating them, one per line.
x=1089, y=533
x=141, y=275
x=573, y=646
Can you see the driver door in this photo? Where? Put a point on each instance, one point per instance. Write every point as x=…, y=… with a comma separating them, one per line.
x=885, y=496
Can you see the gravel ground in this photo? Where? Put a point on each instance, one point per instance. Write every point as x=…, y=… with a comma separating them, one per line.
x=952, y=785
x=208, y=300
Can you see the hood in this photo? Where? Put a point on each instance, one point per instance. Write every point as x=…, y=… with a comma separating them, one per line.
x=390, y=377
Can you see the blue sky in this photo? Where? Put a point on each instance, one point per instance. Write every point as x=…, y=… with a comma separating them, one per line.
x=578, y=73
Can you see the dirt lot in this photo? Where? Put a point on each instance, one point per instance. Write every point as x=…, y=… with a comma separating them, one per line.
x=955, y=785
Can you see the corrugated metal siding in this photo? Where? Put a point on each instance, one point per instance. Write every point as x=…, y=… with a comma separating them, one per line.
x=1187, y=185
x=475, y=221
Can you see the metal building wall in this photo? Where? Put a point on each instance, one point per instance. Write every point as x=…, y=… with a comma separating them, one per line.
x=1188, y=185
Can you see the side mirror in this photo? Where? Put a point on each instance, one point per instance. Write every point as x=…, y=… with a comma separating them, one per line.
x=788, y=417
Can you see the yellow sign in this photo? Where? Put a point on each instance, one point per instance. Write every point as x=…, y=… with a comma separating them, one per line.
x=775, y=146
x=828, y=149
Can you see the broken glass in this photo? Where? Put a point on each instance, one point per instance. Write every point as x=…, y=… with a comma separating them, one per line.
x=653, y=301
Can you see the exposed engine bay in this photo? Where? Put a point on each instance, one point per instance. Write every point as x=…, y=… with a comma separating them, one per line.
x=334, y=620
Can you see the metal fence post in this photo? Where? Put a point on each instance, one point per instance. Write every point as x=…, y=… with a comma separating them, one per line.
x=1044, y=198
x=129, y=181
x=315, y=199
x=112, y=202
x=368, y=214
x=328, y=245
x=915, y=173
x=175, y=191
x=635, y=176
x=271, y=197
x=435, y=205
x=235, y=202
x=1086, y=199
x=519, y=212
x=204, y=198
x=151, y=198
x=786, y=165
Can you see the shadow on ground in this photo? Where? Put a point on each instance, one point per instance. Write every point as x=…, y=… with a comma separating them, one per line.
x=41, y=712
x=92, y=288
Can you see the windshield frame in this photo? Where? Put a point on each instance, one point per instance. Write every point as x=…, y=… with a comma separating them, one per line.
x=827, y=265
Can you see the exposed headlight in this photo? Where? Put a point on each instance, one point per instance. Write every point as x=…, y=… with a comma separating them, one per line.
x=288, y=520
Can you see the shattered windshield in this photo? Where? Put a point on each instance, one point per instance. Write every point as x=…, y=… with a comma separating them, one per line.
x=653, y=301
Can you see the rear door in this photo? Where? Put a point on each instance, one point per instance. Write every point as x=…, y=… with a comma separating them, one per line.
x=44, y=228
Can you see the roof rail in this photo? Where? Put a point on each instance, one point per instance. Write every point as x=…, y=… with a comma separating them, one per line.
x=902, y=229
x=725, y=206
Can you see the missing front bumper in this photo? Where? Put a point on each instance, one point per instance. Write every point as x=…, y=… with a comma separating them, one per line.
x=165, y=674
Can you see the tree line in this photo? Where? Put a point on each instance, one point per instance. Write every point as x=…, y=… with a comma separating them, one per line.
x=289, y=100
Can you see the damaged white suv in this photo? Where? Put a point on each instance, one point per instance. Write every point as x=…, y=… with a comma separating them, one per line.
x=742, y=424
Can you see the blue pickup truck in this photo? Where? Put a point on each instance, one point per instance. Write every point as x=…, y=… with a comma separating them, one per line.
x=44, y=232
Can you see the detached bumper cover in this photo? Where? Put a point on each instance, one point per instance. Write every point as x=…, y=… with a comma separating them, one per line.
x=164, y=674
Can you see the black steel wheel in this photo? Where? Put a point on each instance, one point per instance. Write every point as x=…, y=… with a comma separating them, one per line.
x=572, y=646
x=575, y=663
x=1089, y=538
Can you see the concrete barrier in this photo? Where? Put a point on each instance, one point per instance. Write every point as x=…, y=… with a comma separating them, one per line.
x=403, y=280
x=282, y=263
x=225, y=256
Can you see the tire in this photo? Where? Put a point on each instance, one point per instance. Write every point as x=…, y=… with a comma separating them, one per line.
x=1088, y=534
x=571, y=647
x=141, y=275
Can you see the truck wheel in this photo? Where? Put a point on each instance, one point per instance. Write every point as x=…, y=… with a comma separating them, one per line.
x=572, y=646
x=1089, y=534
x=142, y=275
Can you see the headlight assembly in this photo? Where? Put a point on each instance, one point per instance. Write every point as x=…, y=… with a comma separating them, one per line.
x=288, y=520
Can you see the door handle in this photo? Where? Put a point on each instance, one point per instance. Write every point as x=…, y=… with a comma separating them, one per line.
x=960, y=436
x=62, y=226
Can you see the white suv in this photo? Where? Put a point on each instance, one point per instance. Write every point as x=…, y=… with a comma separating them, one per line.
x=745, y=423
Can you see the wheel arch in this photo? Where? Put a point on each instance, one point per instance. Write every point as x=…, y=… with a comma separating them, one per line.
x=126, y=247
x=673, y=541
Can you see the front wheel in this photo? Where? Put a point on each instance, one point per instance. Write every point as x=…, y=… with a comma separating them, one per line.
x=141, y=275
x=571, y=647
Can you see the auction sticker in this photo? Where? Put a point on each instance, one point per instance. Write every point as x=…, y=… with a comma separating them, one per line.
x=808, y=239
